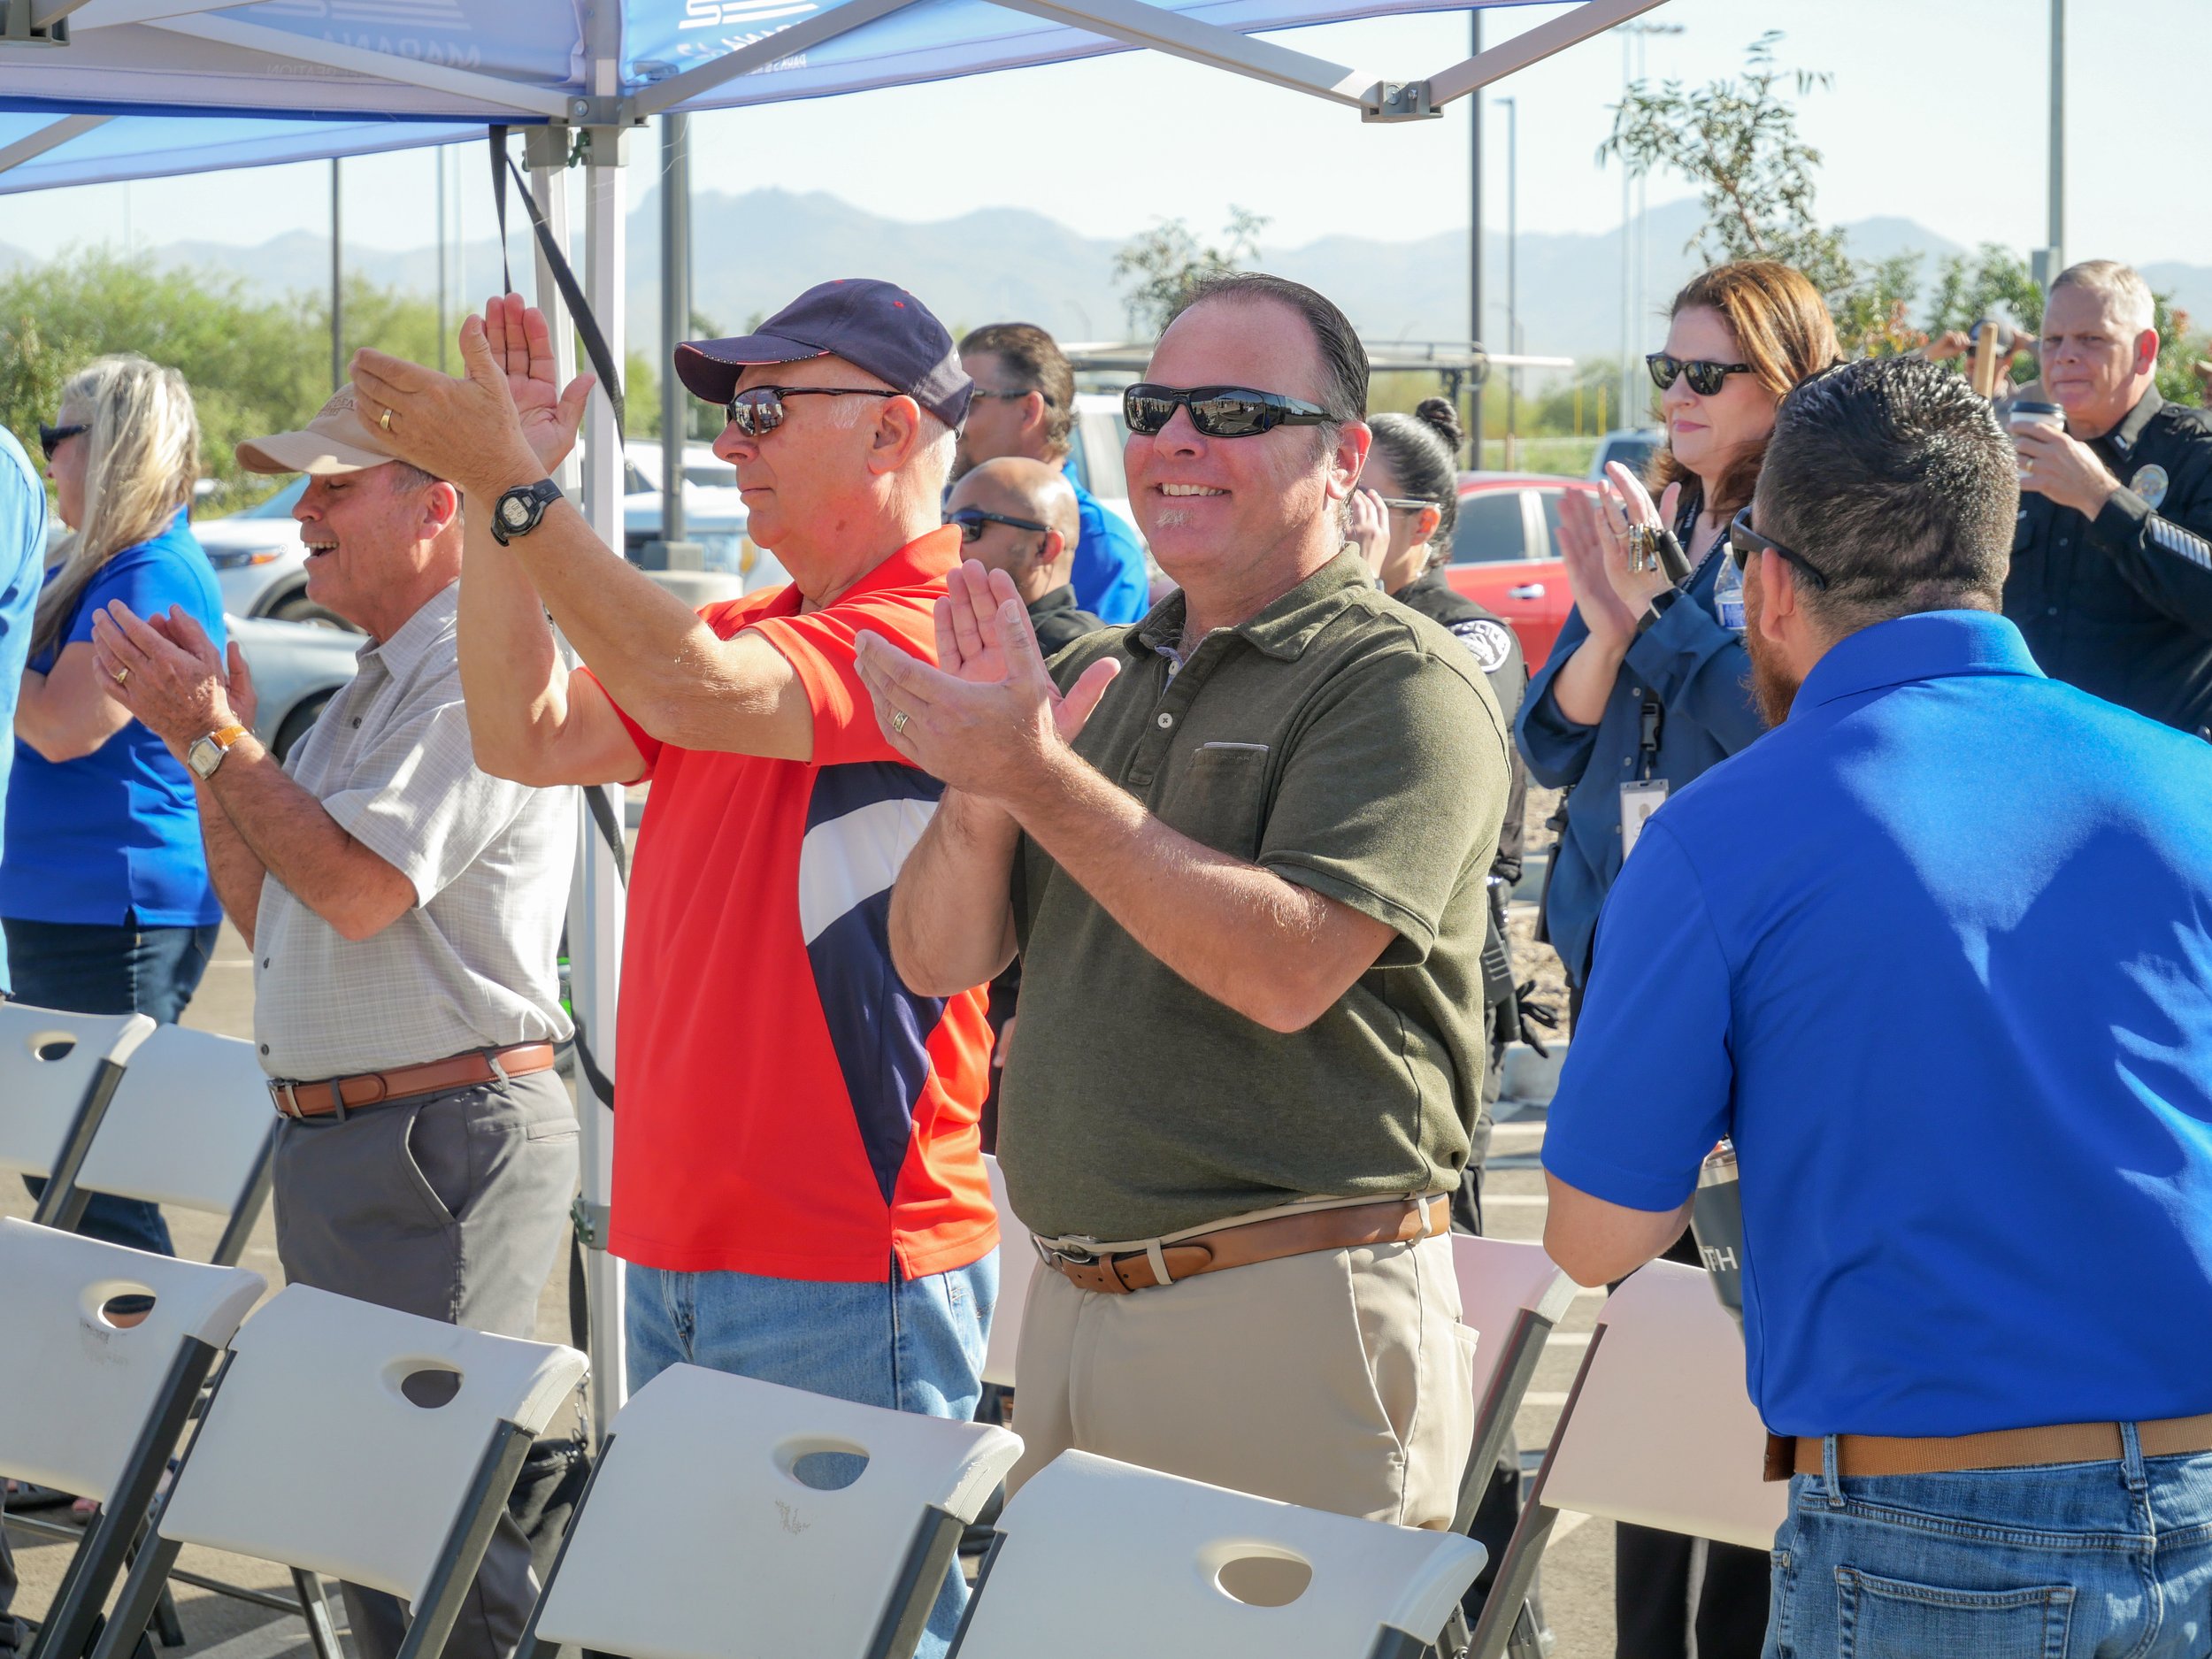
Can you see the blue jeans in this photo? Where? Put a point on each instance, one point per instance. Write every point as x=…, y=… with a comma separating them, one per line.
x=85, y=968
x=906, y=1344
x=2079, y=1561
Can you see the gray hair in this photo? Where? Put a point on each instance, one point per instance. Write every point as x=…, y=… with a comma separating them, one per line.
x=2120, y=287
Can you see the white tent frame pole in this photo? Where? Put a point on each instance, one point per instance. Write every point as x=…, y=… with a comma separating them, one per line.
x=1547, y=39
x=804, y=35
x=255, y=37
x=84, y=15
x=1137, y=24
x=54, y=134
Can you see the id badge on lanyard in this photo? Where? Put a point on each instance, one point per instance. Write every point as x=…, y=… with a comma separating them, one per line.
x=1646, y=794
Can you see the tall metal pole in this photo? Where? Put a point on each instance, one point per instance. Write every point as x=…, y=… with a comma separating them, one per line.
x=675, y=313
x=1628, y=308
x=444, y=288
x=1512, y=275
x=337, y=273
x=1474, y=231
x=2058, y=138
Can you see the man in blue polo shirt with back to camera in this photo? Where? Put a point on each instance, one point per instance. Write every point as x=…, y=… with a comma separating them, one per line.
x=1937, y=954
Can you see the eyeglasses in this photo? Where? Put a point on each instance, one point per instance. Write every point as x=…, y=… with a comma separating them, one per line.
x=1218, y=411
x=1399, y=503
x=51, y=438
x=1013, y=397
x=973, y=521
x=1706, y=378
x=1743, y=542
x=759, y=409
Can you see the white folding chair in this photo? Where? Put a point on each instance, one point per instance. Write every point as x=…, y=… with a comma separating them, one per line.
x=189, y=1125
x=57, y=1074
x=347, y=1439
x=96, y=1409
x=1511, y=1294
x=1016, y=1265
x=1658, y=1430
x=1099, y=1560
x=714, y=1525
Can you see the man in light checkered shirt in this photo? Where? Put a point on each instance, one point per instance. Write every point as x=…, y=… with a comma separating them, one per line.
x=404, y=911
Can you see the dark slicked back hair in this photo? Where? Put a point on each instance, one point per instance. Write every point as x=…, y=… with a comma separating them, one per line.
x=1343, y=359
x=1892, y=478
x=1034, y=363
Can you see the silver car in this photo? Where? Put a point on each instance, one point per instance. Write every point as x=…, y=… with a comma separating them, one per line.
x=296, y=669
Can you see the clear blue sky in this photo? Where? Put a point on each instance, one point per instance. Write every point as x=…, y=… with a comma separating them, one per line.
x=1937, y=113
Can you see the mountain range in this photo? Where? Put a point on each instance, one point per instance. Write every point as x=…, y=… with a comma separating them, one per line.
x=753, y=250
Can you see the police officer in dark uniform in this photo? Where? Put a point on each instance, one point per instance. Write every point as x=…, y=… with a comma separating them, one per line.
x=1407, y=500
x=2111, y=576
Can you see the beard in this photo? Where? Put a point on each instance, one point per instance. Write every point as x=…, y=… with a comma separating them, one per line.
x=1772, y=683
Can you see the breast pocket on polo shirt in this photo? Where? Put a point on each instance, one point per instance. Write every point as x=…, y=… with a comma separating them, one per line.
x=1218, y=797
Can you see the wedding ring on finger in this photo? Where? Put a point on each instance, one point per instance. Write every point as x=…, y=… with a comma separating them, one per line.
x=384, y=420
x=122, y=674
x=898, y=722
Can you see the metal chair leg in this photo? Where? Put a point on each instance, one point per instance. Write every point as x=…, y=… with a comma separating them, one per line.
x=168, y=1629
x=126, y=1627
x=315, y=1608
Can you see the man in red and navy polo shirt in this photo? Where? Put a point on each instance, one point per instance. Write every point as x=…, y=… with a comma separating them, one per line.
x=798, y=1187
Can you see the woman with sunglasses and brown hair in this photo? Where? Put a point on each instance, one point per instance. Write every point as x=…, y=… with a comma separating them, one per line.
x=103, y=885
x=1647, y=687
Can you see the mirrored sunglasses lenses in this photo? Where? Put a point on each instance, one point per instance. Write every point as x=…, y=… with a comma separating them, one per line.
x=1147, y=414
x=970, y=529
x=1231, y=416
x=755, y=412
x=1664, y=370
x=1705, y=378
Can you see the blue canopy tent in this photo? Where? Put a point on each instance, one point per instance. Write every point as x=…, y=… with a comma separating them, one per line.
x=94, y=91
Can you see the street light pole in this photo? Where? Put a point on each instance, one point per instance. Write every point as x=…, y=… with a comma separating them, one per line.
x=1512, y=276
x=337, y=271
x=1474, y=232
x=2055, y=257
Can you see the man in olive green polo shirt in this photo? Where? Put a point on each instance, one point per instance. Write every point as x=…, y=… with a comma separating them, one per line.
x=1241, y=849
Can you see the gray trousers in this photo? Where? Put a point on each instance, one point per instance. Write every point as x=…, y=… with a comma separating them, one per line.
x=451, y=1206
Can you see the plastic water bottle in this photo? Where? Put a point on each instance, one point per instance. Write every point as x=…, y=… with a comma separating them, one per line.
x=1728, y=591
x=1716, y=1223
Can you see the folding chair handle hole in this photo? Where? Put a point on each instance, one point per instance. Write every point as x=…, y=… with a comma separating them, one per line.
x=821, y=1462
x=1258, y=1575
x=116, y=1304
x=426, y=1383
x=50, y=1046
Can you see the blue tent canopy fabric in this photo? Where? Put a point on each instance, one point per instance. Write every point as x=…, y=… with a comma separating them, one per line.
x=180, y=87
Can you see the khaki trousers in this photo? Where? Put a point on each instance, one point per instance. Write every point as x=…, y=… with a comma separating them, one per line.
x=1342, y=1379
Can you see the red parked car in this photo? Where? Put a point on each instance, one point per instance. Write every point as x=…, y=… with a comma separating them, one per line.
x=1505, y=553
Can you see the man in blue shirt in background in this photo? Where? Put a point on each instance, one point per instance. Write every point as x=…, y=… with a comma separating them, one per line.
x=22, y=571
x=1937, y=954
x=1024, y=405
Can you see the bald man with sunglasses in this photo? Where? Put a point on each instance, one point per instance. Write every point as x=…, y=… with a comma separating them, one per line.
x=1251, y=831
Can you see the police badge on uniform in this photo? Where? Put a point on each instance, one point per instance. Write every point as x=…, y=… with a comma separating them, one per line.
x=1489, y=640
x=2149, y=482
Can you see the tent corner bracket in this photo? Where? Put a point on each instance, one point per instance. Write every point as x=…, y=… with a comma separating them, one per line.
x=1399, y=101
x=20, y=24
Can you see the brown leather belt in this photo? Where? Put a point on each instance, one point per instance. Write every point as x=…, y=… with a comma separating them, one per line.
x=1345, y=1227
x=342, y=1094
x=2003, y=1448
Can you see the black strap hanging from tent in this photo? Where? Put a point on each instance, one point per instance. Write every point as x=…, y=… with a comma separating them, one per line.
x=595, y=347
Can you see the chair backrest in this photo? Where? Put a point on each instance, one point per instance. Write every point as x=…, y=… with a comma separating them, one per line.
x=706, y=1535
x=1016, y=1264
x=1499, y=1281
x=313, y=1455
x=50, y=1061
x=1101, y=1559
x=77, y=1387
x=187, y=1123
x=1662, y=1431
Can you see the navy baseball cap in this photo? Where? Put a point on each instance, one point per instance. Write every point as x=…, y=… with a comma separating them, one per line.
x=874, y=325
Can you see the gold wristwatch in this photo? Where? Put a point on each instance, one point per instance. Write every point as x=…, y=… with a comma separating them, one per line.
x=205, y=754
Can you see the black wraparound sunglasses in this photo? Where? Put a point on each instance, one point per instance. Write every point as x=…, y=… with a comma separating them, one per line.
x=1216, y=411
x=1706, y=378
x=759, y=409
x=1743, y=542
x=51, y=438
x=973, y=521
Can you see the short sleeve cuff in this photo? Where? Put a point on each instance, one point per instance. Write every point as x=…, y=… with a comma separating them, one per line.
x=1632, y=1189
x=649, y=746
x=1417, y=934
x=384, y=836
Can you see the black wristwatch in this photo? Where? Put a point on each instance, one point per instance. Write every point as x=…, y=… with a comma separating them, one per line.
x=518, y=512
x=1658, y=607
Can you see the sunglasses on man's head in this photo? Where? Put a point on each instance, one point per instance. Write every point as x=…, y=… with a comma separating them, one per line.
x=973, y=521
x=1216, y=411
x=1743, y=542
x=1706, y=378
x=51, y=438
x=759, y=409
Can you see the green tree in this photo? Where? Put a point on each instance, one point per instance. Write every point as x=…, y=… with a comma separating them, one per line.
x=1158, y=270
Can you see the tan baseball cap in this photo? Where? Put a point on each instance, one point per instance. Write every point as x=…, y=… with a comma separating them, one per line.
x=337, y=441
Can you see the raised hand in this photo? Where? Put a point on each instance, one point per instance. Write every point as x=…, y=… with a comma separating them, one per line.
x=1623, y=502
x=1584, y=547
x=1368, y=528
x=521, y=345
